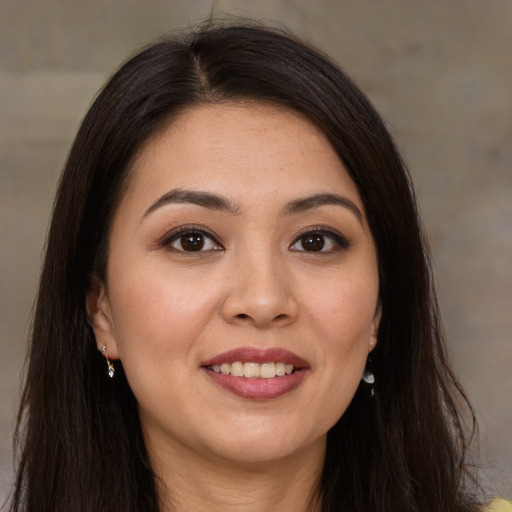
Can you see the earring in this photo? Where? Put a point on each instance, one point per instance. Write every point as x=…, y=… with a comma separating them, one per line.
x=110, y=366
x=369, y=378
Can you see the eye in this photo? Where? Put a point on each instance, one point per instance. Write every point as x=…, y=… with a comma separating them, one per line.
x=191, y=240
x=320, y=240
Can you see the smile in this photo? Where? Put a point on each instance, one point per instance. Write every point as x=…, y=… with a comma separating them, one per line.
x=251, y=370
x=257, y=374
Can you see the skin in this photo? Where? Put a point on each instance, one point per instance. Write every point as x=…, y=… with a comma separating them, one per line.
x=163, y=310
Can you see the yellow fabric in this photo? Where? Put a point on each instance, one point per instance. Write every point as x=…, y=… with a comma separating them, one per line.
x=499, y=505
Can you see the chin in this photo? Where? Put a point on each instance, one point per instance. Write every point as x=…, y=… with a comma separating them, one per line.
x=265, y=448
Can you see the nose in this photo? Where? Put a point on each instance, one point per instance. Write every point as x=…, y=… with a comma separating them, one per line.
x=260, y=293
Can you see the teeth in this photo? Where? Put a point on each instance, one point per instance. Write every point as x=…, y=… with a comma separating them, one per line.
x=254, y=370
x=251, y=370
x=267, y=370
x=237, y=369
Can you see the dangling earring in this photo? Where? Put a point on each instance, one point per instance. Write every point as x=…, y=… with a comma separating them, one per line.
x=369, y=378
x=110, y=366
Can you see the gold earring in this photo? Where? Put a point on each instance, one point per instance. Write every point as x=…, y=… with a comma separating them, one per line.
x=110, y=366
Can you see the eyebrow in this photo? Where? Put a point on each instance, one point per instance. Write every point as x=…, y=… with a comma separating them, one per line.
x=311, y=202
x=219, y=203
x=204, y=199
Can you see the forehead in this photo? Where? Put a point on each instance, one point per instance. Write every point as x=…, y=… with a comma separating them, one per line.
x=240, y=147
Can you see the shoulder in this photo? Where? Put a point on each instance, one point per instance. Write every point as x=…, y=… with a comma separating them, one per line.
x=498, y=505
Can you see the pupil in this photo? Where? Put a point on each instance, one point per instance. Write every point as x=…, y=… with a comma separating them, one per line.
x=192, y=242
x=313, y=242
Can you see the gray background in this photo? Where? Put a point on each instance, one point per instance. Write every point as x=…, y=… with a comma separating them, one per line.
x=439, y=71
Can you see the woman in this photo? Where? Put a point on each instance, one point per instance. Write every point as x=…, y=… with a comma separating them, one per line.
x=236, y=310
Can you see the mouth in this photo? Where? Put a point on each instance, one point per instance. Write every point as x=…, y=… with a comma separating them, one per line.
x=257, y=374
x=252, y=370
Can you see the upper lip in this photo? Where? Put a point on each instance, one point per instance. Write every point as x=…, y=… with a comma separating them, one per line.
x=257, y=355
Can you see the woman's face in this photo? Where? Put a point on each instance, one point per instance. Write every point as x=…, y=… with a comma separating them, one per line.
x=239, y=253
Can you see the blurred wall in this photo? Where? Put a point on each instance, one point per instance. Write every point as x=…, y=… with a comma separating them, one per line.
x=441, y=74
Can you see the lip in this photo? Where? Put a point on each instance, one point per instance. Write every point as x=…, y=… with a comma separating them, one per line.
x=259, y=388
x=256, y=355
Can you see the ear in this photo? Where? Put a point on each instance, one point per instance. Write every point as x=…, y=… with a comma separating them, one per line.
x=100, y=318
x=375, y=328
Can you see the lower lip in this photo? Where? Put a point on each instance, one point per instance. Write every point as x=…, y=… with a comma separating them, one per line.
x=258, y=389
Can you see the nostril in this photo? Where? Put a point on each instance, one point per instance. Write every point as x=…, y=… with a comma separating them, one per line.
x=244, y=316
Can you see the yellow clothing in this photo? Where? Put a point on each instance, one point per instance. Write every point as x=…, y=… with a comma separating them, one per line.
x=499, y=505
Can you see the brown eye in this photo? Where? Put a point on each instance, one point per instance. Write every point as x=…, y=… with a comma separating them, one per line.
x=313, y=242
x=192, y=242
x=321, y=241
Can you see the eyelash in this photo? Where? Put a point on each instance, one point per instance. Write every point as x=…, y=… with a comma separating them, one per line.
x=182, y=231
x=339, y=241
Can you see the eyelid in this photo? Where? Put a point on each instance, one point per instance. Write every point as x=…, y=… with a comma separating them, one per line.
x=341, y=240
x=173, y=234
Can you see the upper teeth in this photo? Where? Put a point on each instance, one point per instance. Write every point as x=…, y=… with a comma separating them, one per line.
x=253, y=370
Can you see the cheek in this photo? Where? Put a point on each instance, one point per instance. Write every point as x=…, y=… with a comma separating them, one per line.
x=157, y=324
x=343, y=316
x=155, y=314
x=344, y=309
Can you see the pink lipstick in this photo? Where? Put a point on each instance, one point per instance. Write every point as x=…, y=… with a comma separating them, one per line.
x=257, y=374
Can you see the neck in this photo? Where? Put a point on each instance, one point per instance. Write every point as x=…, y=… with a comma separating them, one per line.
x=188, y=481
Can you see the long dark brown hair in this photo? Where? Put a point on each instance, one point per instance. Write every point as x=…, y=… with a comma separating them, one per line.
x=79, y=439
